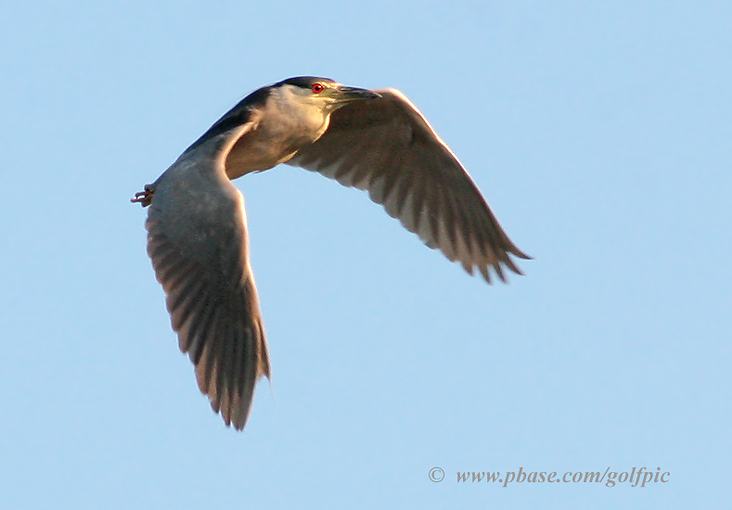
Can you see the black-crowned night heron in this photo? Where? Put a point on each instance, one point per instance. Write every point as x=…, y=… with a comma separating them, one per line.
x=197, y=232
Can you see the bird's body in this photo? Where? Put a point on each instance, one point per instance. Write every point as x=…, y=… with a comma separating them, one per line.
x=197, y=235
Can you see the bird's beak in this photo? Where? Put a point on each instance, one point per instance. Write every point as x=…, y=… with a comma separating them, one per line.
x=348, y=94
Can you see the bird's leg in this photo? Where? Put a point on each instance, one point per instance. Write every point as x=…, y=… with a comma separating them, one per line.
x=144, y=197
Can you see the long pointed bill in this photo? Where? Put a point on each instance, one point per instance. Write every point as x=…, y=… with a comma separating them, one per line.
x=348, y=94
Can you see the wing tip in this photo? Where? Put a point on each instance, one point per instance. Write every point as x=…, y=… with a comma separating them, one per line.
x=497, y=267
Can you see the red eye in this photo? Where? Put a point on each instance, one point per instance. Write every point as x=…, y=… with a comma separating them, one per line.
x=317, y=88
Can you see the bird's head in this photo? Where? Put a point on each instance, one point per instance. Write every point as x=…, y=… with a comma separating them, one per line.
x=323, y=92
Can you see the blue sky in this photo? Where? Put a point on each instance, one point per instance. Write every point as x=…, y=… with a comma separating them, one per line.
x=600, y=135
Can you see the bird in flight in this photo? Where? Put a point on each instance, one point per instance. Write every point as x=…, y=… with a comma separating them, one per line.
x=197, y=231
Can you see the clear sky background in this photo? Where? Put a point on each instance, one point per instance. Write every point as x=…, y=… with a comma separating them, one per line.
x=600, y=134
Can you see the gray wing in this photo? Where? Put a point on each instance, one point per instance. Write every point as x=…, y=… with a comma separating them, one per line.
x=387, y=147
x=197, y=241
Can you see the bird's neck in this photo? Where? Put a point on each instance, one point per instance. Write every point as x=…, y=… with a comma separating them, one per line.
x=281, y=131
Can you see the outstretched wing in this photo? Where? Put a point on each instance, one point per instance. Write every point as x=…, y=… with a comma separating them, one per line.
x=387, y=147
x=197, y=240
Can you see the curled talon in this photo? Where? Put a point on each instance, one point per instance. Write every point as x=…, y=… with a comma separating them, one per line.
x=144, y=197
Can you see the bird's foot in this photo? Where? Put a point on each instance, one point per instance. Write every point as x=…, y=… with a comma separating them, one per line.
x=144, y=197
